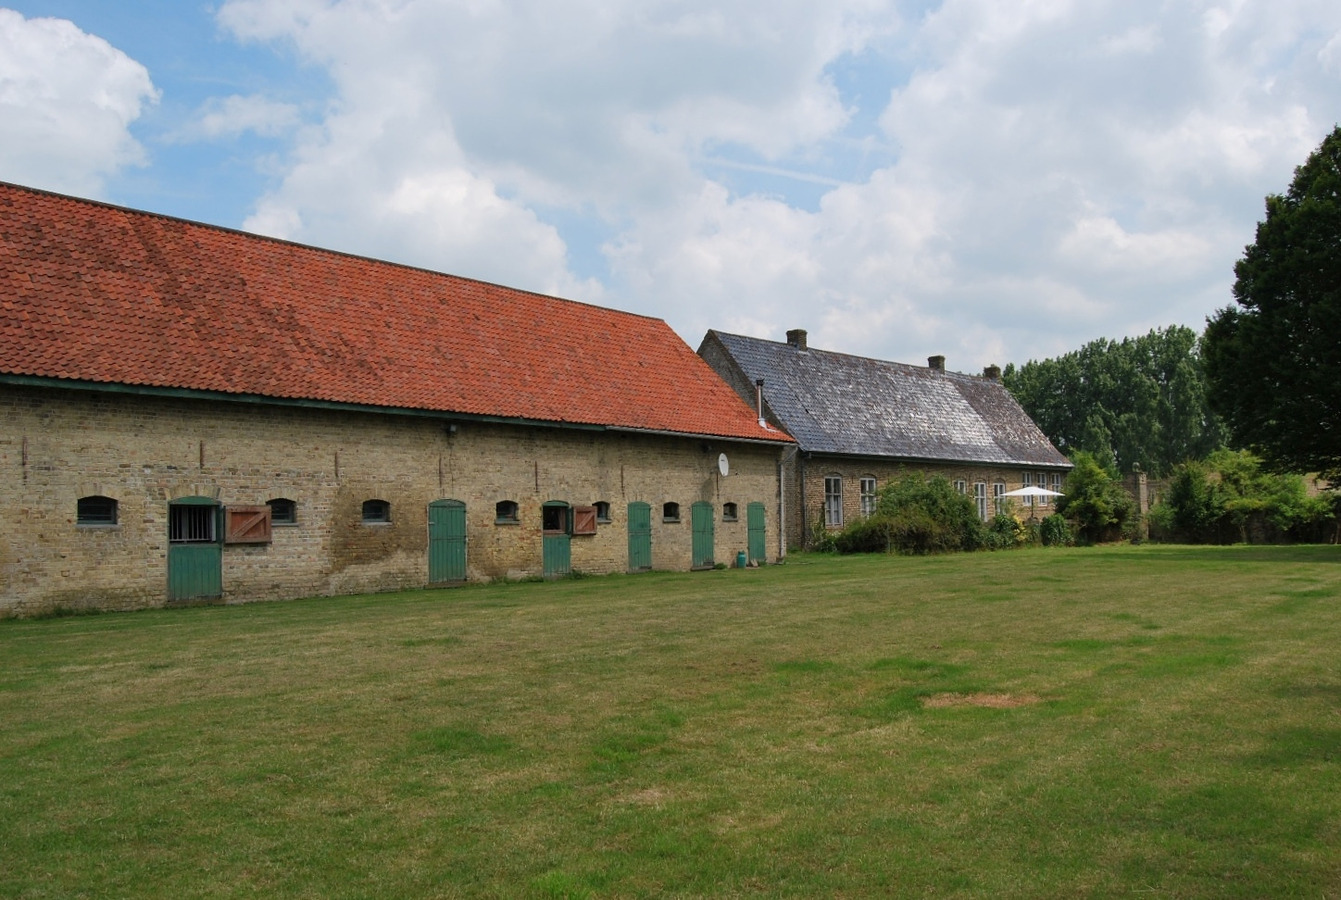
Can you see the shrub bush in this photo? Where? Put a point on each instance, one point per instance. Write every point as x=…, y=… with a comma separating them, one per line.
x=1004, y=532
x=916, y=514
x=1227, y=498
x=1055, y=531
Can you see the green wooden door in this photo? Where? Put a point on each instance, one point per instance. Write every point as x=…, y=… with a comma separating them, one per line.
x=555, y=549
x=446, y=541
x=755, y=522
x=195, y=549
x=640, y=537
x=701, y=522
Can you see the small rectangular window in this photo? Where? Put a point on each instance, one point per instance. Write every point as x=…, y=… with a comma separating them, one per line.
x=283, y=511
x=602, y=511
x=95, y=511
x=670, y=512
x=376, y=512
x=729, y=512
x=505, y=513
x=961, y=487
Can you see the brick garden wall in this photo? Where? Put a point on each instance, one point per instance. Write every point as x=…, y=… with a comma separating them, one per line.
x=57, y=446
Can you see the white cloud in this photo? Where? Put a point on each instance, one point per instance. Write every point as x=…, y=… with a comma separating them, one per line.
x=67, y=100
x=1054, y=170
x=235, y=115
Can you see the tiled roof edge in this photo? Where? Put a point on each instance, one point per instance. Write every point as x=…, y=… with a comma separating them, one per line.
x=252, y=235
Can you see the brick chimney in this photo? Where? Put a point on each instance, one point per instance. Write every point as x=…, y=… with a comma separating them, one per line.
x=992, y=373
x=936, y=363
x=797, y=338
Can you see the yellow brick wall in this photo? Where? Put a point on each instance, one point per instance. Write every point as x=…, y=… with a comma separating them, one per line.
x=57, y=446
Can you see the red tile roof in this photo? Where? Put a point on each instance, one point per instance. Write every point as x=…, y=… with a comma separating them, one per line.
x=99, y=293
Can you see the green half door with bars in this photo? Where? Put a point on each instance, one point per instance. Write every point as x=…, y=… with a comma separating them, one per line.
x=446, y=541
x=195, y=549
x=556, y=525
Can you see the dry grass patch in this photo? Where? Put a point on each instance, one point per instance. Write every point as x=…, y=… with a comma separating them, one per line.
x=986, y=701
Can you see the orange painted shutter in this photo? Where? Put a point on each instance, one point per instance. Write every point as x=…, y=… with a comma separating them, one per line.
x=247, y=525
x=584, y=520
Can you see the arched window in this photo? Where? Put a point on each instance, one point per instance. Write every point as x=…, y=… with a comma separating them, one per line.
x=283, y=511
x=602, y=511
x=376, y=512
x=728, y=512
x=670, y=512
x=506, y=513
x=95, y=510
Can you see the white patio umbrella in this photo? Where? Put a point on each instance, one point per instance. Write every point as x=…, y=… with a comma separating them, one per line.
x=1032, y=491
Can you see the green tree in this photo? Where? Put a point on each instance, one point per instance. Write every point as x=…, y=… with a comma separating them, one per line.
x=1136, y=402
x=1095, y=500
x=1273, y=362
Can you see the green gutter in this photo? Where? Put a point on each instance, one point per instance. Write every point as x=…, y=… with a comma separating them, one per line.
x=68, y=384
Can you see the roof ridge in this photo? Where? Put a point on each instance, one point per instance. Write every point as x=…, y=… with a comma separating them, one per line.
x=874, y=359
x=257, y=236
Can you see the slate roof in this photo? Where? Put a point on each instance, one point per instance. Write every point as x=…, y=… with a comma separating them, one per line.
x=850, y=405
x=98, y=293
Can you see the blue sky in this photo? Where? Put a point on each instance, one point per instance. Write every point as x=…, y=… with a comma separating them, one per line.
x=992, y=180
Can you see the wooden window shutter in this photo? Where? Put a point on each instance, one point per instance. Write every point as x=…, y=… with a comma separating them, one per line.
x=247, y=525
x=584, y=520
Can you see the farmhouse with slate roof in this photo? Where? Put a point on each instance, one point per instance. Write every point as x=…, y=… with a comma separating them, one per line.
x=860, y=422
x=194, y=414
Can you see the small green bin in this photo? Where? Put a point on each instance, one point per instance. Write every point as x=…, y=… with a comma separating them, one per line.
x=741, y=562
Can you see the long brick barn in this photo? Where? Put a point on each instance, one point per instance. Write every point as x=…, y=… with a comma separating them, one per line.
x=194, y=414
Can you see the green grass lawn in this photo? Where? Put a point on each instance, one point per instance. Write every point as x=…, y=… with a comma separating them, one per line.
x=1135, y=721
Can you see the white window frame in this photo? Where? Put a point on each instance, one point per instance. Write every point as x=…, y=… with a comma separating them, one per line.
x=980, y=498
x=868, y=495
x=998, y=495
x=833, y=501
x=1043, y=483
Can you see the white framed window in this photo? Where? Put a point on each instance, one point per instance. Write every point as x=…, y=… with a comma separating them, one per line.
x=1057, y=482
x=961, y=487
x=980, y=498
x=1043, y=482
x=868, y=498
x=999, y=497
x=833, y=501
x=1028, y=480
